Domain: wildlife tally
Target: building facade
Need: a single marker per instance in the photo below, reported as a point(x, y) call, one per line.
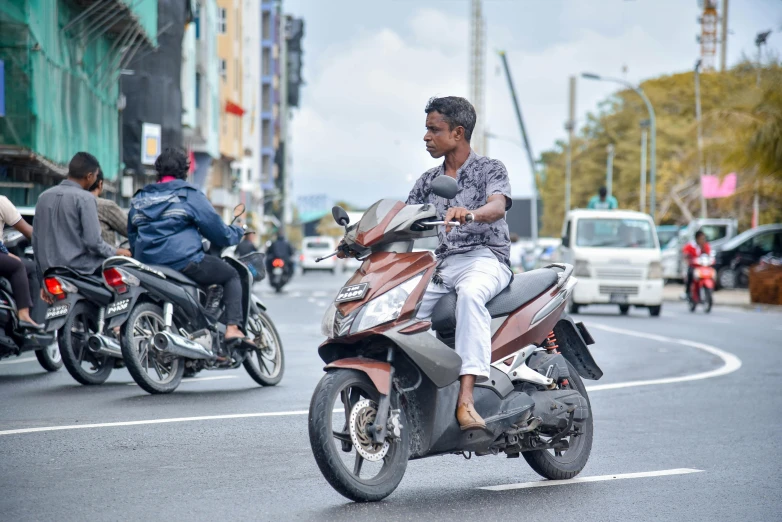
point(251, 189)
point(61, 64)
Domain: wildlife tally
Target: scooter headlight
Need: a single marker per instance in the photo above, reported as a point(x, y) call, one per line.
point(386, 307)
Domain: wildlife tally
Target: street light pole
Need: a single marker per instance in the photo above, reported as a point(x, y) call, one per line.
point(644, 132)
point(609, 170)
point(653, 145)
point(569, 126)
point(700, 134)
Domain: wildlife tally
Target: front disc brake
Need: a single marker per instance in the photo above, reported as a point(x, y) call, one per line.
point(361, 417)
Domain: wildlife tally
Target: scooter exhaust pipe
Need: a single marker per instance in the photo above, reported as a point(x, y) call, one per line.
point(179, 346)
point(104, 345)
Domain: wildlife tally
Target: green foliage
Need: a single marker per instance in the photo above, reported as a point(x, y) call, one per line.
point(742, 129)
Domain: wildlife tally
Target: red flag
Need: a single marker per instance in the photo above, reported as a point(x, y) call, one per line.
point(232, 108)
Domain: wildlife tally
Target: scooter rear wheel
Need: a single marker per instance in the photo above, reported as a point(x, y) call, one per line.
point(49, 357)
point(82, 363)
point(153, 372)
point(341, 407)
point(566, 465)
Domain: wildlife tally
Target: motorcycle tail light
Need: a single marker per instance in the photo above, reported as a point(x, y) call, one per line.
point(278, 263)
point(119, 280)
point(55, 287)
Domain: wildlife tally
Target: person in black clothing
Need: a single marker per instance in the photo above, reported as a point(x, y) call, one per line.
point(279, 249)
point(247, 245)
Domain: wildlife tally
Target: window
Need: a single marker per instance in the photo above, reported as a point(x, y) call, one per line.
point(198, 90)
point(197, 21)
point(614, 233)
point(760, 245)
point(221, 17)
point(714, 232)
point(223, 69)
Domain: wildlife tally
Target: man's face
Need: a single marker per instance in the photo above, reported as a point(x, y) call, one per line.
point(251, 238)
point(701, 240)
point(439, 138)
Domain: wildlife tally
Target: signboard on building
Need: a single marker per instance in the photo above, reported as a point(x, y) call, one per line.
point(151, 141)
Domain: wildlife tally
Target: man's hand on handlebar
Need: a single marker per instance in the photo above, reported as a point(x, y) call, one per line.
point(124, 252)
point(460, 214)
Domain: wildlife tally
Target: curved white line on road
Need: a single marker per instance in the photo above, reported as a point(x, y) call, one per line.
point(731, 363)
point(18, 361)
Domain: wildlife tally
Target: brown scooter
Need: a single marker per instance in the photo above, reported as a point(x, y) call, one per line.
point(390, 389)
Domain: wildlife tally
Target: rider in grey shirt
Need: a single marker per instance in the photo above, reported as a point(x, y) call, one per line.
point(67, 232)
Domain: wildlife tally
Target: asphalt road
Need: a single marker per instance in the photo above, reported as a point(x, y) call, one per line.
point(673, 398)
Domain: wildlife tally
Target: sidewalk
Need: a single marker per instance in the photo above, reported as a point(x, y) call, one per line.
point(738, 297)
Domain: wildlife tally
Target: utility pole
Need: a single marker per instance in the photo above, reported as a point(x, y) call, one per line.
point(528, 148)
point(698, 117)
point(477, 66)
point(610, 170)
point(569, 126)
point(724, 39)
point(644, 131)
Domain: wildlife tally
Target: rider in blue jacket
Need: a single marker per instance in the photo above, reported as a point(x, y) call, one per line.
point(165, 225)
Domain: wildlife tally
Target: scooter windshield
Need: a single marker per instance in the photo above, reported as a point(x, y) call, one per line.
point(375, 214)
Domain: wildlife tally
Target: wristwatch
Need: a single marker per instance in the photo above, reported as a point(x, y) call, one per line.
point(470, 217)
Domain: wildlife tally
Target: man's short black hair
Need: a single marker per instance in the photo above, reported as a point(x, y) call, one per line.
point(603, 192)
point(82, 164)
point(457, 112)
point(699, 233)
point(98, 180)
point(172, 162)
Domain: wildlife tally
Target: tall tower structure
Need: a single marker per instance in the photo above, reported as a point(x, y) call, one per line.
point(477, 66)
point(708, 37)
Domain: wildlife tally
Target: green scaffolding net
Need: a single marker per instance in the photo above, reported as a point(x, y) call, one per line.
point(61, 88)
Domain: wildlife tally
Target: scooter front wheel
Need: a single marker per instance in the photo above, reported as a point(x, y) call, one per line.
point(153, 371)
point(343, 405)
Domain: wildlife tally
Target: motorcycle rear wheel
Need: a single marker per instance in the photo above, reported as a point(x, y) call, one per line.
point(50, 358)
point(84, 366)
point(141, 356)
point(334, 451)
point(567, 465)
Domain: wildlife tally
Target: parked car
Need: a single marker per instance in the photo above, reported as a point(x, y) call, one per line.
point(13, 239)
point(314, 247)
point(665, 233)
point(616, 257)
point(734, 258)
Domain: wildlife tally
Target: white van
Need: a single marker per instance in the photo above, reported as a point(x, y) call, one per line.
point(617, 259)
point(314, 247)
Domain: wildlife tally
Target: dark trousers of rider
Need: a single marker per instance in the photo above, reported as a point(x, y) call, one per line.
point(214, 271)
point(13, 270)
point(688, 288)
point(38, 311)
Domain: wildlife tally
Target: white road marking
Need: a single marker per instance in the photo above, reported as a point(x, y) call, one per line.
point(731, 363)
point(294, 294)
point(597, 478)
point(200, 379)
point(152, 421)
point(19, 361)
point(318, 294)
point(310, 299)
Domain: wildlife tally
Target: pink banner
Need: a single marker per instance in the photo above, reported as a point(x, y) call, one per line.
point(714, 188)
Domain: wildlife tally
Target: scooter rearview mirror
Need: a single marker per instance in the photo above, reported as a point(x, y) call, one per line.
point(445, 187)
point(340, 216)
point(239, 210)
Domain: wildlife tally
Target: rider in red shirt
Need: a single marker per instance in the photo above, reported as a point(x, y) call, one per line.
point(691, 252)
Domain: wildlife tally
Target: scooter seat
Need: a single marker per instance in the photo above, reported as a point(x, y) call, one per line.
point(170, 273)
point(523, 289)
point(5, 284)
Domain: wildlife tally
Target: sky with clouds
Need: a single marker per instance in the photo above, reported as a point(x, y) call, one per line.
point(371, 65)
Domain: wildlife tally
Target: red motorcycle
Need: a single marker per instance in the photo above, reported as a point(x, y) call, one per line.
point(390, 391)
point(702, 283)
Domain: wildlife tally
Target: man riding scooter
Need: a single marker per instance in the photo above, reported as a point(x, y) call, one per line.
point(165, 225)
point(473, 258)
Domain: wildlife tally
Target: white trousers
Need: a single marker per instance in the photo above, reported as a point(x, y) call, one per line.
point(477, 276)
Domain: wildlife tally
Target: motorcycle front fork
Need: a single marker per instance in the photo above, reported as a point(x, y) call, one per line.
point(380, 426)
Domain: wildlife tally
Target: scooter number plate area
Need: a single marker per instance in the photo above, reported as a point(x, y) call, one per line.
point(57, 311)
point(618, 298)
point(117, 307)
point(352, 293)
point(277, 271)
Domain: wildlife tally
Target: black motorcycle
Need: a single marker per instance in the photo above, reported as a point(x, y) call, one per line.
point(171, 325)
point(280, 272)
point(15, 341)
point(89, 350)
